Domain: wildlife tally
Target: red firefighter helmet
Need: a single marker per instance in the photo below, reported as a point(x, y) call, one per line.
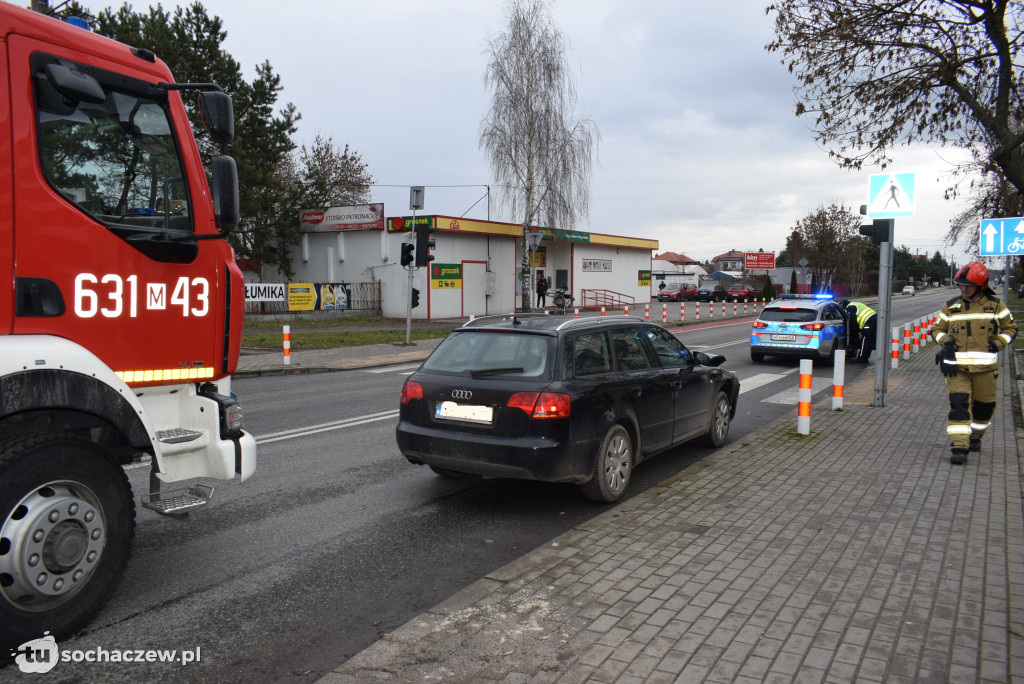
point(973, 273)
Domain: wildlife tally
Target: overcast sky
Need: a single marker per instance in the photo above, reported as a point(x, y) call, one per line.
point(699, 148)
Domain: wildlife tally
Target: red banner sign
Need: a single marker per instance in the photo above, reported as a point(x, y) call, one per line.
point(759, 261)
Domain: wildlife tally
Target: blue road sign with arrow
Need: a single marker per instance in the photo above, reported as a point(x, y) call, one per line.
point(1002, 236)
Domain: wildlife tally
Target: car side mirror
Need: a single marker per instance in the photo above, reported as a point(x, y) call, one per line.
point(709, 359)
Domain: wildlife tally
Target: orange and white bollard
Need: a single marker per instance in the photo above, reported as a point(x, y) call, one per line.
point(682, 312)
point(734, 305)
point(925, 325)
point(647, 312)
point(917, 335)
point(838, 380)
point(745, 306)
point(664, 313)
point(576, 313)
point(627, 310)
point(906, 341)
point(287, 345)
point(895, 348)
point(723, 309)
point(602, 311)
point(711, 309)
point(698, 311)
point(803, 397)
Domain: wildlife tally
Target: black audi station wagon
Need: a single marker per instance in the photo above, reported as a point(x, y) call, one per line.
point(577, 400)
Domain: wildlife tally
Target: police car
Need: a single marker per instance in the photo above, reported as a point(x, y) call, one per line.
point(806, 326)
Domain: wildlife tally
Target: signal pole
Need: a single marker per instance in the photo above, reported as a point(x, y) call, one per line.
point(415, 203)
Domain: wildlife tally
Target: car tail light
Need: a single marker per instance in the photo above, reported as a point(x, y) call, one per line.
point(411, 390)
point(759, 325)
point(541, 404)
point(812, 326)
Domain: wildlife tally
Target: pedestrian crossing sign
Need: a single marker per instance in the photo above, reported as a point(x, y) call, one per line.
point(891, 195)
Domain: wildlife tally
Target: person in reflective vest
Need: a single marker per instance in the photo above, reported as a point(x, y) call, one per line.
point(863, 323)
point(972, 329)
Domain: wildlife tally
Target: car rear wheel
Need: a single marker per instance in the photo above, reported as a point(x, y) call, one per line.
point(613, 467)
point(719, 429)
point(756, 357)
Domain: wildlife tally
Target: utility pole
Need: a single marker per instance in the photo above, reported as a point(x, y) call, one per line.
point(881, 233)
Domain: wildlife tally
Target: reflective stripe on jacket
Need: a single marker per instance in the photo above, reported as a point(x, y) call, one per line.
point(973, 325)
point(864, 312)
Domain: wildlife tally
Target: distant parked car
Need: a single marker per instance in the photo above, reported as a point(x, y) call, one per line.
point(741, 292)
point(672, 292)
point(909, 290)
point(711, 293)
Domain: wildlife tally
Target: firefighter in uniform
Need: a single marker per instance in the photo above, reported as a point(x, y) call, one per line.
point(972, 329)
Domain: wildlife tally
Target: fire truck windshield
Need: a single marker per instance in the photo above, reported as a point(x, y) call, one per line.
point(117, 160)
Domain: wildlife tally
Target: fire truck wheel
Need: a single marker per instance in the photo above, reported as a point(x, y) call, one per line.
point(66, 528)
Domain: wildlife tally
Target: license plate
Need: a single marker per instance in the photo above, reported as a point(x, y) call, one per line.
point(783, 338)
point(468, 413)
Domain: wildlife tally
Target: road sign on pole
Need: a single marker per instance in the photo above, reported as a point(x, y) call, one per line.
point(891, 195)
point(1002, 236)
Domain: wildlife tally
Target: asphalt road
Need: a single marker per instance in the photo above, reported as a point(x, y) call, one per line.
point(337, 539)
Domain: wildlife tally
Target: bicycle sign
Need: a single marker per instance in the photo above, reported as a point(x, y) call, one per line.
point(1002, 236)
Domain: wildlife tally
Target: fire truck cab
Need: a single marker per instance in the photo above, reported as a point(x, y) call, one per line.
point(123, 320)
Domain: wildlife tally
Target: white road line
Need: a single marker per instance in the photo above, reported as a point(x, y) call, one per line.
point(760, 380)
point(790, 396)
point(326, 427)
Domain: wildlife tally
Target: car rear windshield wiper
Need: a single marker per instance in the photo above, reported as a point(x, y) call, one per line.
point(494, 371)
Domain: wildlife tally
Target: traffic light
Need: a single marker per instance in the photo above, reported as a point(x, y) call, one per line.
point(415, 297)
point(879, 231)
point(407, 253)
point(424, 243)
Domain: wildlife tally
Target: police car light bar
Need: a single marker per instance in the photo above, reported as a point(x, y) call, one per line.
point(808, 296)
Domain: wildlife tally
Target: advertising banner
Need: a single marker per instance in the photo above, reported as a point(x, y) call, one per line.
point(334, 219)
point(759, 261)
point(597, 265)
point(301, 297)
point(643, 278)
point(318, 297)
point(264, 292)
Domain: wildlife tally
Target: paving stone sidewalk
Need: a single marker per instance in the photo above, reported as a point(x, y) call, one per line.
point(857, 553)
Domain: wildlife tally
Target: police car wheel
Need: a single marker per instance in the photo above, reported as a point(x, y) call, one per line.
point(756, 357)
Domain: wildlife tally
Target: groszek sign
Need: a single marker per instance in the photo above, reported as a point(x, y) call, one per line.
point(446, 276)
point(759, 261)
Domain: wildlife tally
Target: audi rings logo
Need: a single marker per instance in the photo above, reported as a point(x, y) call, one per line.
point(462, 394)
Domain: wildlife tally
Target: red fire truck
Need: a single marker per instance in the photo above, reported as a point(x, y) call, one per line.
point(123, 323)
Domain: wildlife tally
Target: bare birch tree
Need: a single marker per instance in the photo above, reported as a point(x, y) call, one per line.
point(540, 155)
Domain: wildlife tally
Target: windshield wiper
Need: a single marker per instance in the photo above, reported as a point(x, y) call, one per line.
point(493, 371)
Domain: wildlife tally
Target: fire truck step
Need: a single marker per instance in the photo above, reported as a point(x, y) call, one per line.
point(178, 502)
point(177, 435)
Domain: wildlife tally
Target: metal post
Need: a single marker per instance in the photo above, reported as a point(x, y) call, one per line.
point(884, 311)
point(408, 292)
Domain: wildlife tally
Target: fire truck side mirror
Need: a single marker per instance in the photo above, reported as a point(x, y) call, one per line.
point(74, 84)
point(218, 116)
point(225, 193)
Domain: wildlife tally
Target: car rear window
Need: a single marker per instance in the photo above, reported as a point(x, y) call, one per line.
point(493, 354)
point(788, 314)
